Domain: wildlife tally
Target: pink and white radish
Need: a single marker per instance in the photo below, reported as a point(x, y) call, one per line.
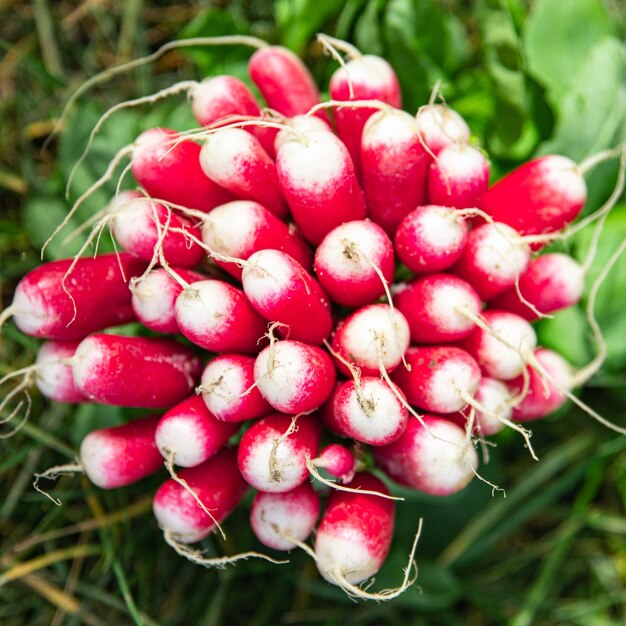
point(354, 261)
point(56, 380)
point(228, 389)
point(303, 124)
point(188, 434)
point(440, 126)
point(338, 461)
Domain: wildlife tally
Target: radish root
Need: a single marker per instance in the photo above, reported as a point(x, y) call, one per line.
point(55, 472)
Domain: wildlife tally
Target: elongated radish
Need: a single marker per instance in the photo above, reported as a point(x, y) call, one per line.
point(238, 229)
point(236, 161)
point(501, 345)
point(431, 239)
point(168, 168)
point(154, 298)
point(273, 452)
point(440, 378)
point(294, 377)
point(371, 338)
point(493, 258)
point(301, 123)
point(440, 126)
point(118, 456)
point(394, 167)
point(317, 178)
point(189, 434)
point(278, 518)
point(219, 486)
point(550, 283)
point(134, 371)
point(281, 290)
point(58, 301)
point(541, 196)
point(56, 381)
point(352, 262)
point(228, 389)
point(434, 457)
point(459, 177)
point(435, 307)
point(218, 317)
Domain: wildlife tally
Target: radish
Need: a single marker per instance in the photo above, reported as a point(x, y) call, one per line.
point(218, 317)
point(119, 456)
point(236, 161)
point(317, 178)
point(278, 518)
point(69, 299)
point(154, 298)
point(435, 307)
point(281, 290)
point(353, 263)
point(374, 337)
point(493, 259)
point(458, 177)
point(541, 196)
point(168, 168)
point(367, 410)
point(134, 371)
point(431, 239)
point(441, 379)
point(274, 451)
point(56, 381)
point(294, 377)
point(440, 126)
point(217, 485)
point(188, 434)
point(301, 123)
point(432, 455)
point(550, 283)
point(501, 344)
point(338, 461)
point(394, 167)
point(228, 389)
point(238, 229)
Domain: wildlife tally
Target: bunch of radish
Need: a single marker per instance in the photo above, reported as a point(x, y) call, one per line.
point(260, 254)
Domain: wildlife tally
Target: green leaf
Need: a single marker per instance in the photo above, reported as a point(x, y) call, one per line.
point(566, 333)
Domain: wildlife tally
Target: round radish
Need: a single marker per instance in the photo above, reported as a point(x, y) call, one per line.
point(439, 126)
point(56, 380)
point(338, 461)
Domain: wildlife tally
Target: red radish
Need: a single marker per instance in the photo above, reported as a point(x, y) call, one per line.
point(431, 239)
point(281, 290)
point(368, 411)
point(439, 126)
point(119, 456)
point(58, 301)
point(353, 260)
point(368, 77)
point(394, 167)
point(301, 124)
point(168, 168)
point(221, 97)
point(218, 485)
point(493, 259)
point(228, 389)
point(459, 177)
point(238, 229)
point(550, 283)
point(317, 178)
point(435, 457)
point(154, 297)
point(373, 337)
point(56, 381)
point(273, 452)
point(284, 81)
point(236, 161)
point(134, 371)
point(545, 394)
point(353, 538)
point(440, 379)
point(541, 196)
point(338, 461)
point(140, 224)
point(189, 434)
point(435, 306)
point(294, 377)
point(501, 349)
point(218, 317)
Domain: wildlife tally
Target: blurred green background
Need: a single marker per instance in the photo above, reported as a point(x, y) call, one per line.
point(531, 78)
